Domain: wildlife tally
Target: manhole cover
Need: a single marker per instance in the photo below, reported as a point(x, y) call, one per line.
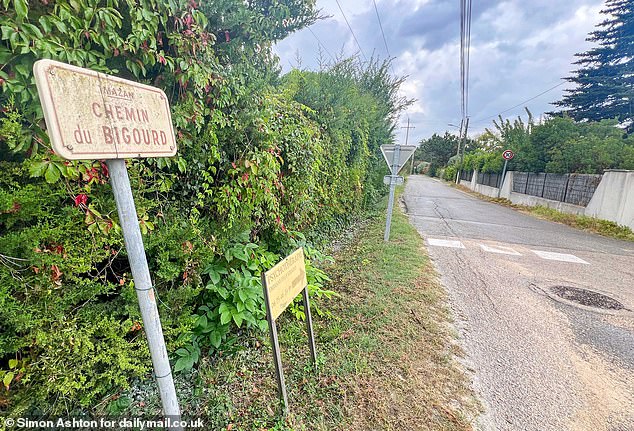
point(587, 297)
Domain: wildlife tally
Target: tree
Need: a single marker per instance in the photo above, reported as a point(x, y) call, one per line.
point(256, 173)
point(588, 148)
point(516, 136)
point(437, 150)
point(551, 134)
point(605, 79)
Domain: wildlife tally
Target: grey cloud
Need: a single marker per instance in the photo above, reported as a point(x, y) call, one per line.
point(519, 49)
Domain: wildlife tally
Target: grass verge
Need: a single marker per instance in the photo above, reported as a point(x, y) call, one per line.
point(589, 224)
point(387, 355)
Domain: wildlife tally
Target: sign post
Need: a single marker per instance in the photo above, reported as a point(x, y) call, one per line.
point(90, 115)
point(281, 284)
point(390, 201)
point(395, 157)
point(507, 155)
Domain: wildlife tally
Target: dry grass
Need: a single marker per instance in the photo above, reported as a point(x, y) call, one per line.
point(413, 380)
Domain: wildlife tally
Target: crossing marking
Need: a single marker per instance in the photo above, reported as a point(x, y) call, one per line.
point(562, 257)
point(500, 250)
point(445, 243)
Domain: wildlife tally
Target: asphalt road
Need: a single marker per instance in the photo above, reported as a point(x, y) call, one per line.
point(538, 361)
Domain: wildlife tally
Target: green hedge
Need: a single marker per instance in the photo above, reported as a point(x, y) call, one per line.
point(262, 164)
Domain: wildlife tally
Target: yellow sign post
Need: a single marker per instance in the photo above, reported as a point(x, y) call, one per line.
point(281, 284)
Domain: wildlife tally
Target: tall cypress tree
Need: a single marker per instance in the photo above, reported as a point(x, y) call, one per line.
point(605, 79)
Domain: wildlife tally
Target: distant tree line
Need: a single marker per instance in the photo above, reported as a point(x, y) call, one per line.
point(557, 145)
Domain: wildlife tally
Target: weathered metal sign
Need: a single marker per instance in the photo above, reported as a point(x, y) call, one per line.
point(90, 115)
point(285, 281)
point(281, 284)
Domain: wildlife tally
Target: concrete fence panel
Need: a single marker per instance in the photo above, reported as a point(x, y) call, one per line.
point(614, 198)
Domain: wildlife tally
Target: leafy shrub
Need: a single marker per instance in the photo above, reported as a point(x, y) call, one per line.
point(450, 172)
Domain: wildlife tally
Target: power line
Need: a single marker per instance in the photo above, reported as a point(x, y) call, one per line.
point(520, 104)
point(468, 57)
point(465, 47)
point(387, 50)
point(332, 57)
point(352, 32)
point(381, 27)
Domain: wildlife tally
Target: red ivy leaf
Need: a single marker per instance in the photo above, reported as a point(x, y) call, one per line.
point(81, 199)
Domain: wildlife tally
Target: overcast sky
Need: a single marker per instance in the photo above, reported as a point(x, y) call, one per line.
point(519, 49)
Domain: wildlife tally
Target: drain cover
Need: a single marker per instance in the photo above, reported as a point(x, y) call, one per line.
point(587, 297)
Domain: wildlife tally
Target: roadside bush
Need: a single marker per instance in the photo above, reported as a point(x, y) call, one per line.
point(449, 173)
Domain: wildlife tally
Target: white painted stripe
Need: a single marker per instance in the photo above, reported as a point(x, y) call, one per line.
point(563, 257)
point(500, 250)
point(444, 243)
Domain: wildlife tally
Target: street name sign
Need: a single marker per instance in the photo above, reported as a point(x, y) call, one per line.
point(405, 152)
point(281, 284)
point(90, 115)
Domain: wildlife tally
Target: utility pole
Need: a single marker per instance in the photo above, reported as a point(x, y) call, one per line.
point(459, 143)
point(406, 140)
point(463, 144)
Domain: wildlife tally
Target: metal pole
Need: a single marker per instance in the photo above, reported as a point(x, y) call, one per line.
point(566, 187)
point(143, 286)
point(309, 326)
point(275, 345)
point(463, 144)
point(407, 132)
point(506, 162)
point(458, 152)
point(406, 141)
point(390, 202)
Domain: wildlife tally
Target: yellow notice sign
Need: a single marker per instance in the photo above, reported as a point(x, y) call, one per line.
point(285, 281)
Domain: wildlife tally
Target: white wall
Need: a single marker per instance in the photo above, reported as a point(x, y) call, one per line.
point(489, 191)
point(533, 201)
point(614, 198)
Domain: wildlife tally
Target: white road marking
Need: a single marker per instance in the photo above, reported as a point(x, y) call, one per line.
point(500, 250)
point(563, 257)
point(444, 243)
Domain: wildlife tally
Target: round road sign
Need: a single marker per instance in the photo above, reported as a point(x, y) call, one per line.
point(508, 154)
